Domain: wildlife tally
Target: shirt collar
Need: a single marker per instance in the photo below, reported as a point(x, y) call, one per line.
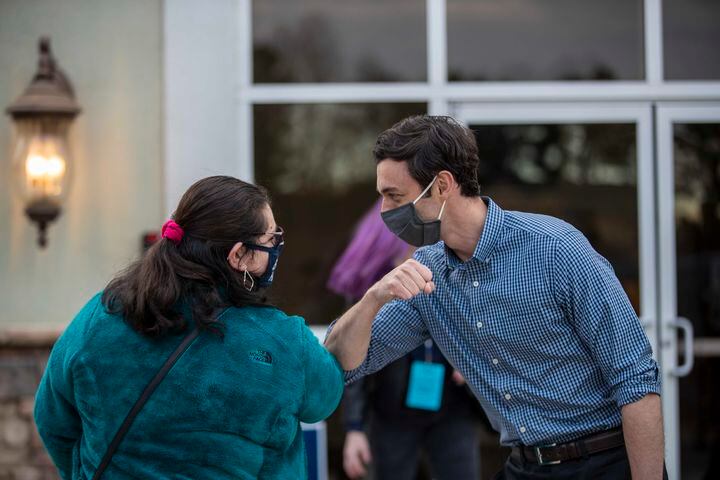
point(488, 238)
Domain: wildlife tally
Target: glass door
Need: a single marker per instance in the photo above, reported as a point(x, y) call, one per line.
point(688, 139)
point(589, 164)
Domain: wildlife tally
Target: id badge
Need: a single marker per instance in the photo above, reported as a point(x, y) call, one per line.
point(425, 387)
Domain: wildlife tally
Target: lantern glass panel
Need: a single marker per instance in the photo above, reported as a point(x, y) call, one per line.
point(41, 159)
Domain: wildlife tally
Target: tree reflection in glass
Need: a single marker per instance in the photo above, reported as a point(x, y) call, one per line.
point(317, 162)
point(339, 41)
point(582, 173)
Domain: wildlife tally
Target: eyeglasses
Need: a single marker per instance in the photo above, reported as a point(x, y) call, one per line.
point(278, 236)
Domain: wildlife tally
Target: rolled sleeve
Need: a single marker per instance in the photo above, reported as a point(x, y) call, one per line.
point(633, 390)
point(591, 296)
point(397, 329)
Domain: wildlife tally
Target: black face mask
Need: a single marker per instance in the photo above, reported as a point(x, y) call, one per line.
point(266, 279)
point(405, 223)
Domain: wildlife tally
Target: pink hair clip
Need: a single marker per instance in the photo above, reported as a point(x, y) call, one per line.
point(172, 231)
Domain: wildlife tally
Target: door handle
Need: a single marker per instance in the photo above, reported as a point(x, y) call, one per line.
point(684, 324)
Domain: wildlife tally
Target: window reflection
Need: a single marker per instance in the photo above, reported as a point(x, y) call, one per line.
point(339, 41)
point(697, 216)
point(584, 174)
point(317, 162)
point(691, 35)
point(559, 40)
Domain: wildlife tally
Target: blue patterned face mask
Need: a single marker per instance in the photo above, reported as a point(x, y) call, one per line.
point(405, 223)
point(266, 279)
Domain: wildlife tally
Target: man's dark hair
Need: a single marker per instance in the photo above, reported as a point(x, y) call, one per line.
point(430, 144)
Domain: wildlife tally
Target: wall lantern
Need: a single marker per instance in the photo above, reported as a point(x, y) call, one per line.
point(42, 164)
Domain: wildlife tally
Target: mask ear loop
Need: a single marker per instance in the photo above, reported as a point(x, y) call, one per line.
point(442, 209)
point(246, 275)
point(425, 191)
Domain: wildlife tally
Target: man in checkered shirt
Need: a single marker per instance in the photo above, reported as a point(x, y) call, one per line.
point(521, 304)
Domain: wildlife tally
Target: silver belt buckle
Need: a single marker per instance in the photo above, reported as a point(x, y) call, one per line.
point(539, 456)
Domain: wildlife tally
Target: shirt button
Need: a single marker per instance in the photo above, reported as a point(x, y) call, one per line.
point(508, 396)
point(476, 283)
point(479, 324)
point(522, 429)
point(495, 361)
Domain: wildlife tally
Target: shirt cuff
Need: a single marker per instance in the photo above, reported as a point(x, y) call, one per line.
point(354, 375)
point(354, 427)
point(635, 389)
point(330, 329)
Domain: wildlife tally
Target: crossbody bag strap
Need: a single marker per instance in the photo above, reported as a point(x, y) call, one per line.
point(140, 403)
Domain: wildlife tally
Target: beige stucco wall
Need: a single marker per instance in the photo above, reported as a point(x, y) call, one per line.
point(112, 52)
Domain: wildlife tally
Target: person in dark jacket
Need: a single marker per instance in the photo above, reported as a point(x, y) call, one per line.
point(389, 423)
point(376, 413)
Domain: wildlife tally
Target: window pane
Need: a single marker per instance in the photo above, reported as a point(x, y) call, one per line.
point(691, 35)
point(697, 221)
point(559, 40)
point(584, 174)
point(339, 41)
point(317, 162)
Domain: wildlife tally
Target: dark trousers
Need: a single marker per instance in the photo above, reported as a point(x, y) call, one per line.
point(609, 465)
point(452, 446)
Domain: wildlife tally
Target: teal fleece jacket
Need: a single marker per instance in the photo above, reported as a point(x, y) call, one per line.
point(229, 408)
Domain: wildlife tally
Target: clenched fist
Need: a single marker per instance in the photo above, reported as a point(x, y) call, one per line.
point(409, 279)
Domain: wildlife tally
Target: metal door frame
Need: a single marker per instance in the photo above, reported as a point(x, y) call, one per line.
point(669, 113)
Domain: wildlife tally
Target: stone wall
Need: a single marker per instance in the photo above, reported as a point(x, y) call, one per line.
point(23, 356)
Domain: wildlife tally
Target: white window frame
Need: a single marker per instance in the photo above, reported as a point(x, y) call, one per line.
point(439, 94)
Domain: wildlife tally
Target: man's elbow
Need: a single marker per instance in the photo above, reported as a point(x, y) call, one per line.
point(348, 363)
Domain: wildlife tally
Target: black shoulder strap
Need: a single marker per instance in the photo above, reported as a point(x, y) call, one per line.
point(159, 376)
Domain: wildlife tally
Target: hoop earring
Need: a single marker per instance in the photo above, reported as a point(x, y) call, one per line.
point(247, 276)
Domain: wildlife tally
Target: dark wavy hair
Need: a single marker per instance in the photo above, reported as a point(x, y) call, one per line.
point(193, 276)
point(431, 144)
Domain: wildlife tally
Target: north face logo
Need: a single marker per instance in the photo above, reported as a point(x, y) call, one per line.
point(261, 356)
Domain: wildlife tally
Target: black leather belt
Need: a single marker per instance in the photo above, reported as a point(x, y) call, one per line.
point(554, 454)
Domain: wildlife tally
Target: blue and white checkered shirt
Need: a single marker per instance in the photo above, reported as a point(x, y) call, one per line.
point(536, 322)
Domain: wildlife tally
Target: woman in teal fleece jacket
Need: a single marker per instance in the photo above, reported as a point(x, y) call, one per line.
point(231, 406)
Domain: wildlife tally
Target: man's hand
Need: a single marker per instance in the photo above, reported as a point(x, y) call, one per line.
point(356, 454)
point(350, 337)
point(406, 281)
